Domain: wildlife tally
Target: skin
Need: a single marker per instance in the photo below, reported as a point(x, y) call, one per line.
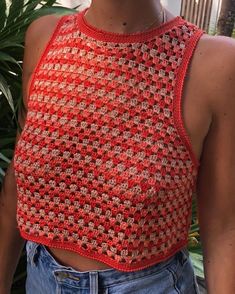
point(208, 113)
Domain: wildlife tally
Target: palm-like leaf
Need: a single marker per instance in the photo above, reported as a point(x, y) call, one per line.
point(5, 89)
point(3, 15)
point(197, 264)
point(13, 23)
point(15, 10)
point(14, 20)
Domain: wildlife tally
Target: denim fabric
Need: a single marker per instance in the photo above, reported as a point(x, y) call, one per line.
point(46, 276)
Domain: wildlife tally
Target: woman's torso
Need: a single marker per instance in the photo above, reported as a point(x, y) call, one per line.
point(194, 103)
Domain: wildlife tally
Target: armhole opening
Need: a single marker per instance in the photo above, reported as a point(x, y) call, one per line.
point(179, 87)
point(43, 55)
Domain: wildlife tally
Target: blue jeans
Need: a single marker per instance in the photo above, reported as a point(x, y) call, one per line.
point(46, 276)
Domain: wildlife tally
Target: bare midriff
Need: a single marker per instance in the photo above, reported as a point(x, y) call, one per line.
point(76, 261)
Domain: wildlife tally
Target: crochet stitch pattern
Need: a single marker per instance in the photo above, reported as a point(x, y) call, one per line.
point(104, 166)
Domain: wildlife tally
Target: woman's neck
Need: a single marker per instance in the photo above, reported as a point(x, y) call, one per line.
point(125, 16)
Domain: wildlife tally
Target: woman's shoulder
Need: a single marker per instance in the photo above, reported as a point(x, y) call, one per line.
point(41, 29)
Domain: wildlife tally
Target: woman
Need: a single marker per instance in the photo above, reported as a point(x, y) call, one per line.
point(109, 155)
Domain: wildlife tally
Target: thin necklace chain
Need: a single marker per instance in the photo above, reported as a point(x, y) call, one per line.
point(148, 27)
point(163, 20)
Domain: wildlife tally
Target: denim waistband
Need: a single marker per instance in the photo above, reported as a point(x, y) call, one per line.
point(38, 253)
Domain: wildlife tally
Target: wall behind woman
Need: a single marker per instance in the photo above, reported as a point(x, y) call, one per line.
point(174, 6)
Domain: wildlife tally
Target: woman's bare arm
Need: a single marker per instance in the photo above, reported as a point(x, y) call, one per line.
point(11, 245)
point(216, 182)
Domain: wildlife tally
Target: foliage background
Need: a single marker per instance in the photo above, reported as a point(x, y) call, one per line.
point(15, 17)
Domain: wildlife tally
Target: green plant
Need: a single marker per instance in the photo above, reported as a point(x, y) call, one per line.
point(194, 243)
point(15, 17)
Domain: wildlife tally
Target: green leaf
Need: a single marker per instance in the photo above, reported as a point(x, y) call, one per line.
point(7, 153)
point(194, 228)
point(3, 15)
point(50, 3)
point(4, 158)
point(19, 27)
point(16, 9)
point(5, 67)
point(4, 164)
point(6, 57)
point(31, 5)
point(7, 44)
point(55, 10)
point(6, 140)
point(2, 174)
point(197, 261)
point(6, 91)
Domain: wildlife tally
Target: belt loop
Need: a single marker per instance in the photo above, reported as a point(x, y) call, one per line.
point(32, 252)
point(184, 256)
point(185, 251)
point(94, 287)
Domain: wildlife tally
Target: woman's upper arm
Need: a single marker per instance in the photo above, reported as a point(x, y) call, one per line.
point(216, 182)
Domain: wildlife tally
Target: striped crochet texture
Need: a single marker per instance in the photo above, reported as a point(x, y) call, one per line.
point(104, 166)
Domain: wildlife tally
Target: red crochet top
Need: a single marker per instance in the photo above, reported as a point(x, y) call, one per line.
point(104, 166)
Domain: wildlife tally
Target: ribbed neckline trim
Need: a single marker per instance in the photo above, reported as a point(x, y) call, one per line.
point(106, 36)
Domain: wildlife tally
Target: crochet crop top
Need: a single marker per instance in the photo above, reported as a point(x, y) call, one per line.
point(104, 166)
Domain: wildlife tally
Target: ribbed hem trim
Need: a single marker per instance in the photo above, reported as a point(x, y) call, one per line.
point(101, 257)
